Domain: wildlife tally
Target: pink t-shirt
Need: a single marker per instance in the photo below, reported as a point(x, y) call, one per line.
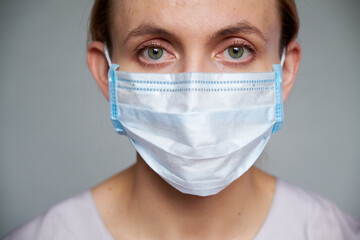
point(294, 214)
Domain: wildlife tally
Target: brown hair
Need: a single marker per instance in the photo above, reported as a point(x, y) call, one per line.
point(290, 23)
point(100, 22)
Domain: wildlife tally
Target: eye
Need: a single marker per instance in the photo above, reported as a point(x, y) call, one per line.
point(236, 53)
point(155, 53)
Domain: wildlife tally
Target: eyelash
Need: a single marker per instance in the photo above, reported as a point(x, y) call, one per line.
point(142, 48)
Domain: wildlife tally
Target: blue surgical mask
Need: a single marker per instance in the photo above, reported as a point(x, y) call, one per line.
point(198, 131)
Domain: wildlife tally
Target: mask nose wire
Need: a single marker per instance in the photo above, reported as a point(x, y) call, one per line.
point(107, 55)
point(283, 55)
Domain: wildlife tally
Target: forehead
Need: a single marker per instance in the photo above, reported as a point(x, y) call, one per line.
point(199, 17)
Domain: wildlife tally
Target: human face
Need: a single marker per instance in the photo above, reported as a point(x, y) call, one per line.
point(195, 35)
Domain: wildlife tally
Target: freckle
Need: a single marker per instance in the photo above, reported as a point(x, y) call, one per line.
point(109, 188)
point(234, 9)
point(239, 214)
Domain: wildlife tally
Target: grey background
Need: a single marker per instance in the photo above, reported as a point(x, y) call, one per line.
point(56, 138)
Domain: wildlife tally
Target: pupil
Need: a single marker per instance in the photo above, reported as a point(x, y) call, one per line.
point(236, 50)
point(155, 51)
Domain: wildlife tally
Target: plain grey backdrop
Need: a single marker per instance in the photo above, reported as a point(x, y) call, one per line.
point(56, 138)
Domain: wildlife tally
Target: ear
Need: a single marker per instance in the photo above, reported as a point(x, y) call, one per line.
point(98, 66)
point(290, 68)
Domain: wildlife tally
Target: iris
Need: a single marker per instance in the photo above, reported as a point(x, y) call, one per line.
point(236, 52)
point(155, 53)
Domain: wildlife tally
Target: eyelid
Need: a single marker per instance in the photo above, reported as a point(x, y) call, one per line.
point(232, 42)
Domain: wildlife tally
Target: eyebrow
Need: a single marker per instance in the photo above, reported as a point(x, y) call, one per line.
point(240, 27)
point(148, 29)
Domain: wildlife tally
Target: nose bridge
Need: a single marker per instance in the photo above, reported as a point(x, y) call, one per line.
point(195, 58)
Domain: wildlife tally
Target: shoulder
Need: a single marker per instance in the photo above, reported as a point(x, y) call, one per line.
point(327, 219)
point(307, 215)
point(73, 218)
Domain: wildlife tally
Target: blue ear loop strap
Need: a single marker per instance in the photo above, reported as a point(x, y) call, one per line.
point(279, 109)
point(114, 114)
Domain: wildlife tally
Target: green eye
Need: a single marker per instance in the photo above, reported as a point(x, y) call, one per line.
point(236, 52)
point(155, 53)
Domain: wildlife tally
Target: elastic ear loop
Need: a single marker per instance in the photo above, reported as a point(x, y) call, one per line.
point(107, 55)
point(283, 55)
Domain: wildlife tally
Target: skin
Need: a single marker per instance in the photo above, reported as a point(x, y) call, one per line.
point(137, 203)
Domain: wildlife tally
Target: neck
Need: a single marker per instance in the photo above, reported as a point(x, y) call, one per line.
point(163, 212)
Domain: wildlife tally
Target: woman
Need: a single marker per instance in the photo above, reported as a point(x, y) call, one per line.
point(208, 196)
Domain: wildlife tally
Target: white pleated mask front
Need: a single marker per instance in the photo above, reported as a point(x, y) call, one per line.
point(198, 131)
